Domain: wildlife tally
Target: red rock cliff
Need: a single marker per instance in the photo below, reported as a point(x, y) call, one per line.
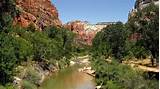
point(78, 28)
point(85, 31)
point(39, 12)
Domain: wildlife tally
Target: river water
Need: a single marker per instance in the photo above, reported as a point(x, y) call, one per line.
point(69, 78)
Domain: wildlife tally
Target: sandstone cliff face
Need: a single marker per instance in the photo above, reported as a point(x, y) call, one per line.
point(39, 12)
point(85, 31)
point(75, 26)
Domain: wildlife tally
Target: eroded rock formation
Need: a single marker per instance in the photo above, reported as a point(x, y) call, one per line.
point(85, 31)
point(41, 13)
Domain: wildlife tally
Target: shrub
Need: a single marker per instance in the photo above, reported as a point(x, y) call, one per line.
point(33, 76)
point(28, 85)
point(118, 76)
point(8, 86)
point(44, 48)
point(135, 49)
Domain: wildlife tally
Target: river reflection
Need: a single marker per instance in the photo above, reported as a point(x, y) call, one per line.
point(69, 78)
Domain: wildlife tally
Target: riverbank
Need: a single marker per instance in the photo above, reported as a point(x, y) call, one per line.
point(33, 74)
point(78, 66)
point(36, 74)
point(69, 78)
point(85, 62)
point(77, 75)
point(115, 75)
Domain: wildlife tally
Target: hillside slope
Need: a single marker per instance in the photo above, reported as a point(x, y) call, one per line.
point(41, 13)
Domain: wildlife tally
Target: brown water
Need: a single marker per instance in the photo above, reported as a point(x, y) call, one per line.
point(69, 78)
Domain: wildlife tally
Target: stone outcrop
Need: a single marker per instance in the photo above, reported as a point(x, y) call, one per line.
point(41, 13)
point(85, 31)
point(143, 3)
point(78, 28)
point(140, 4)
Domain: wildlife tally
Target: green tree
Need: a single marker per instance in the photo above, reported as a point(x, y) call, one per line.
point(113, 75)
point(7, 12)
point(7, 58)
point(43, 47)
point(64, 39)
point(13, 50)
point(146, 22)
point(111, 41)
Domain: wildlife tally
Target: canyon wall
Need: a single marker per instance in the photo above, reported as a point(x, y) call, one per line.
point(40, 13)
point(85, 31)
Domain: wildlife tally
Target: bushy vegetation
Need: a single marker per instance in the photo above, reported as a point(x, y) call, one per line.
point(8, 11)
point(116, 41)
point(28, 85)
point(32, 76)
point(56, 45)
point(7, 86)
point(138, 38)
point(13, 51)
point(146, 23)
point(64, 40)
point(20, 45)
point(111, 41)
point(118, 76)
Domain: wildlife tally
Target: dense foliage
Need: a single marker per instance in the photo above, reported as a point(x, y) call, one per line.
point(111, 41)
point(146, 23)
point(138, 38)
point(112, 75)
point(56, 45)
point(8, 11)
point(20, 45)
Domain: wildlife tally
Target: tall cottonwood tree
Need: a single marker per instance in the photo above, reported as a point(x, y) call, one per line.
point(146, 22)
point(111, 41)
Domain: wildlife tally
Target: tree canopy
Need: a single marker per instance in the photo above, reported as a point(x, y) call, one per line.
point(111, 41)
point(146, 22)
